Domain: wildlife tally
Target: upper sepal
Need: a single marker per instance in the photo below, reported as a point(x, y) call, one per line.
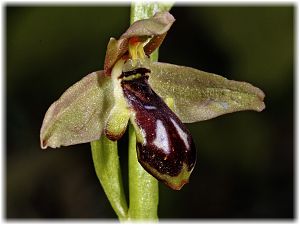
point(79, 115)
point(199, 95)
point(159, 24)
point(155, 27)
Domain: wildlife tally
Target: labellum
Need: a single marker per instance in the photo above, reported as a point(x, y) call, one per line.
point(164, 146)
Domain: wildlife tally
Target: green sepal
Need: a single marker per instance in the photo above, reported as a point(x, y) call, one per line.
point(200, 95)
point(79, 115)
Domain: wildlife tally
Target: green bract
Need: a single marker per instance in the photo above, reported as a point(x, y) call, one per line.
point(132, 87)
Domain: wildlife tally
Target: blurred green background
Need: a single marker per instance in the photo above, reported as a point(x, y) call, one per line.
point(245, 166)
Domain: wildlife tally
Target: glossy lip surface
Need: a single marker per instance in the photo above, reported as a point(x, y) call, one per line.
point(167, 144)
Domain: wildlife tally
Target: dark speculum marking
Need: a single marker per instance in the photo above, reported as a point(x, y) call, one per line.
point(168, 144)
point(141, 71)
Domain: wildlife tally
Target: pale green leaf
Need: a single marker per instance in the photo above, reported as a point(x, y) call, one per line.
point(199, 95)
point(108, 170)
point(79, 115)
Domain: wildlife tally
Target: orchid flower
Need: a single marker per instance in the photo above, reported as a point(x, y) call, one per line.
point(157, 98)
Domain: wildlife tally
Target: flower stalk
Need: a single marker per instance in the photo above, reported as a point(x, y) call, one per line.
point(143, 187)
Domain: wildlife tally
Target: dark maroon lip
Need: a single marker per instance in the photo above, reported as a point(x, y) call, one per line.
point(168, 144)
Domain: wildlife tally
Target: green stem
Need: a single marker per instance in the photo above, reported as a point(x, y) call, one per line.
point(143, 187)
point(107, 166)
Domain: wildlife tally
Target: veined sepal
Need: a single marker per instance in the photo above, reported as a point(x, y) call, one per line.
point(80, 114)
point(199, 95)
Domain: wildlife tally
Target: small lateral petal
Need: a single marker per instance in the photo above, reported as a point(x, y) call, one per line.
point(154, 43)
point(199, 95)
point(115, 50)
point(79, 115)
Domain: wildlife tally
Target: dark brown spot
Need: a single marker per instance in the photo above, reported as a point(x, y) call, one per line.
point(142, 71)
